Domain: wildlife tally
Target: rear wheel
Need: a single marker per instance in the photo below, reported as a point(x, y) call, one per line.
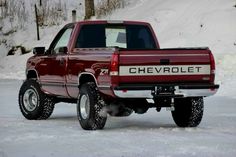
point(188, 111)
point(34, 104)
point(90, 108)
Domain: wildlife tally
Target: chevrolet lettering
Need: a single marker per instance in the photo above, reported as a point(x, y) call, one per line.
point(165, 70)
point(116, 68)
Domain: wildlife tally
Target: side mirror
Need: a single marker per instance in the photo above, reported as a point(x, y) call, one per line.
point(39, 50)
point(62, 50)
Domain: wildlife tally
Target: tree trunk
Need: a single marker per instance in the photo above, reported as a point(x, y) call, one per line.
point(89, 9)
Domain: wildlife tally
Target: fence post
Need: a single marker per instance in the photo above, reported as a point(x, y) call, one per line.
point(37, 24)
point(73, 15)
point(122, 3)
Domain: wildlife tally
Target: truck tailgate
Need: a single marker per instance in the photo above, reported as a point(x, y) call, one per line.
point(165, 66)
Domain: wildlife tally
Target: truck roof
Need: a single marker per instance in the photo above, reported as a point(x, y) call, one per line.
point(110, 22)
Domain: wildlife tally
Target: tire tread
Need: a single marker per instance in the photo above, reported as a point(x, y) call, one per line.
point(46, 103)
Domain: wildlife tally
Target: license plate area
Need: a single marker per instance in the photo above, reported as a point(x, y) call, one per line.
point(163, 91)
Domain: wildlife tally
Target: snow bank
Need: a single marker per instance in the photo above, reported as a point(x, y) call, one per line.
point(187, 23)
point(13, 67)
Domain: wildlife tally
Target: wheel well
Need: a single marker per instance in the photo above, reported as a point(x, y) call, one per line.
point(86, 78)
point(31, 74)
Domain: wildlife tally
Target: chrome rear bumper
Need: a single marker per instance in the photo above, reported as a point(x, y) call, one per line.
point(178, 91)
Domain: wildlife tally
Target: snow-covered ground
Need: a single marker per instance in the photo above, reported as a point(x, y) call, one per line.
point(185, 23)
point(152, 134)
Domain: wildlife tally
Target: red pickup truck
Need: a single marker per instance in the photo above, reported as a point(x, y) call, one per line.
point(116, 68)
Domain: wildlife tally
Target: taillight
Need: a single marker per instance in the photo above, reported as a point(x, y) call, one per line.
point(212, 61)
point(114, 69)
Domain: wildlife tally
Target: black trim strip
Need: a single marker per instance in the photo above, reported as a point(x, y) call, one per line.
point(199, 87)
point(72, 85)
point(53, 84)
point(59, 84)
point(104, 88)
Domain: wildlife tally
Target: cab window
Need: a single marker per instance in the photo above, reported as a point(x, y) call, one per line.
point(63, 40)
point(122, 36)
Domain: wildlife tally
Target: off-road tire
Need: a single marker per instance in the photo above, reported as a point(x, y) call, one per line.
point(188, 111)
point(44, 104)
point(95, 117)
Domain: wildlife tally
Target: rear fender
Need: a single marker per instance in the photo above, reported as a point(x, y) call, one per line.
point(86, 77)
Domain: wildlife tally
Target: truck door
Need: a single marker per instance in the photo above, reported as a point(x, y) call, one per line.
point(56, 60)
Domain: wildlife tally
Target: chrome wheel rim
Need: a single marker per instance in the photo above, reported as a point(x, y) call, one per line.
point(30, 100)
point(84, 106)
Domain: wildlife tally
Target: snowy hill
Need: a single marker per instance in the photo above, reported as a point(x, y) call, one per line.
point(186, 23)
point(191, 23)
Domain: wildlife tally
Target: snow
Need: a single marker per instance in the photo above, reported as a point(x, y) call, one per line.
point(152, 134)
point(185, 23)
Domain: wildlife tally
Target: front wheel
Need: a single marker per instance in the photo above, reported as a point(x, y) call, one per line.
point(34, 104)
point(188, 111)
point(90, 108)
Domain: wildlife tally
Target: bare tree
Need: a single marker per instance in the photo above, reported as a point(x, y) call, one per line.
point(89, 9)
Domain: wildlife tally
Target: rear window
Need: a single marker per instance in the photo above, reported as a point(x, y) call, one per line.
point(128, 36)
